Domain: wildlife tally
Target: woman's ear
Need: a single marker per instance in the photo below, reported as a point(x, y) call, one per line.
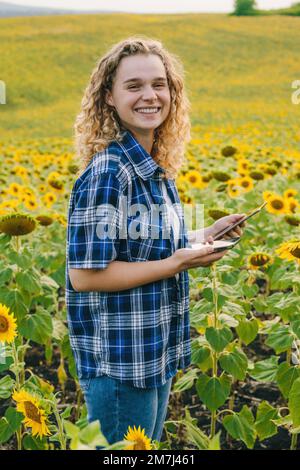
point(109, 99)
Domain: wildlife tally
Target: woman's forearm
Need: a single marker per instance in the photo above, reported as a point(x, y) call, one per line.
point(122, 275)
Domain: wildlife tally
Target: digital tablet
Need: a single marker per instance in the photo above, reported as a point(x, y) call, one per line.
point(218, 245)
point(230, 227)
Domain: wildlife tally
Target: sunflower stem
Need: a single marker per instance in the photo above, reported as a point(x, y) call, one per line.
point(215, 357)
point(16, 363)
point(78, 401)
point(294, 442)
point(60, 427)
point(18, 387)
point(288, 356)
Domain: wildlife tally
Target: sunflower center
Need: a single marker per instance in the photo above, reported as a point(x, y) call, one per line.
point(193, 179)
point(277, 204)
point(245, 184)
point(3, 324)
point(296, 252)
point(32, 412)
point(139, 445)
point(259, 260)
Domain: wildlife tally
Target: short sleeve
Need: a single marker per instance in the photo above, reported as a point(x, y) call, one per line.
point(94, 222)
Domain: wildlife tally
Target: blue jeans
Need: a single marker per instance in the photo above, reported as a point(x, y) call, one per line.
point(118, 405)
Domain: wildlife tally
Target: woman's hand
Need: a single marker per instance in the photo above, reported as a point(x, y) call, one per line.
point(186, 258)
point(225, 222)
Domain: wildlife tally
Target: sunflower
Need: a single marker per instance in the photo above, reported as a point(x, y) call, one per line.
point(292, 204)
point(290, 250)
point(10, 204)
point(30, 203)
point(20, 171)
point(259, 259)
point(186, 199)
point(228, 151)
point(61, 219)
point(195, 179)
point(290, 192)
point(15, 189)
point(182, 183)
point(45, 219)
point(49, 199)
point(292, 220)
point(233, 189)
point(267, 195)
point(276, 205)
point(8, 326)
point(256, 175)
point(141, 441)
point(17, 224)
point(243, 166)
point(245, 183)
point(35, 416)
point(73, 168)
point(42, 188)
point(216, 213)
point(222, 176)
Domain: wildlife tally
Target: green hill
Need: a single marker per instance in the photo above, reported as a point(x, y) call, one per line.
point(238, 70)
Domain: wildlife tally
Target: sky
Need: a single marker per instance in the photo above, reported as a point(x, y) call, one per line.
point(150, 6)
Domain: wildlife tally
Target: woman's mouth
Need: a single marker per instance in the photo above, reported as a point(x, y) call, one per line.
point(147, 111)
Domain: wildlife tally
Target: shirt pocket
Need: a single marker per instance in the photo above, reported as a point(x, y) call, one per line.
point(144, 238)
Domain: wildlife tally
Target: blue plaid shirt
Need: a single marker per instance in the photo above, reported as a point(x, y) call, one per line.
point(141, 335)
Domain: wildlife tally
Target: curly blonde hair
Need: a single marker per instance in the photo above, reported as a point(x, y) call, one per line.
point(98, 123)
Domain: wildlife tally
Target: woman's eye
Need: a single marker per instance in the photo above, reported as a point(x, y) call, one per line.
point(136, 86)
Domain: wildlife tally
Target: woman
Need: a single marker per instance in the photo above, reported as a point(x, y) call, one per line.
point(127, 291)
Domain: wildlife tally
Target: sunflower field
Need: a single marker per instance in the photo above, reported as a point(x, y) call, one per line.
point(242, 390)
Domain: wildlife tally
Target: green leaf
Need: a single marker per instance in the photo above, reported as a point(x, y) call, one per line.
point(241, 426)
point(250, 291)
point(280, 338)
point(49, 282)
point(5, 276)
point(200, 354)
point(6, 386)
point(37, 327)
point(294, 400)
point(29, 282)
point(235, 363)
point(218, 338)
point(5, 362)
point(34, 443)
point(197, 437)
point(266, 370)
point(186, 381)
point(9, 424)
point(232, 309)
point(23, 260)
point(247, 330)
point(295, 324)
point(286, 376)
point(263, 424)
point(92, 435)
point(15, 301)
point(213, 391)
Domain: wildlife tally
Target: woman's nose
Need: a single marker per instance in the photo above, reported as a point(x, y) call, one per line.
point(149, 93)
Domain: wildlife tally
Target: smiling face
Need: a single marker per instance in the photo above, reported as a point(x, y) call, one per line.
point(141, 83)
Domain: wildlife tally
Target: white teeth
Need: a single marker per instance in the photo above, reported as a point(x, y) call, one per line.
point(148, 110)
